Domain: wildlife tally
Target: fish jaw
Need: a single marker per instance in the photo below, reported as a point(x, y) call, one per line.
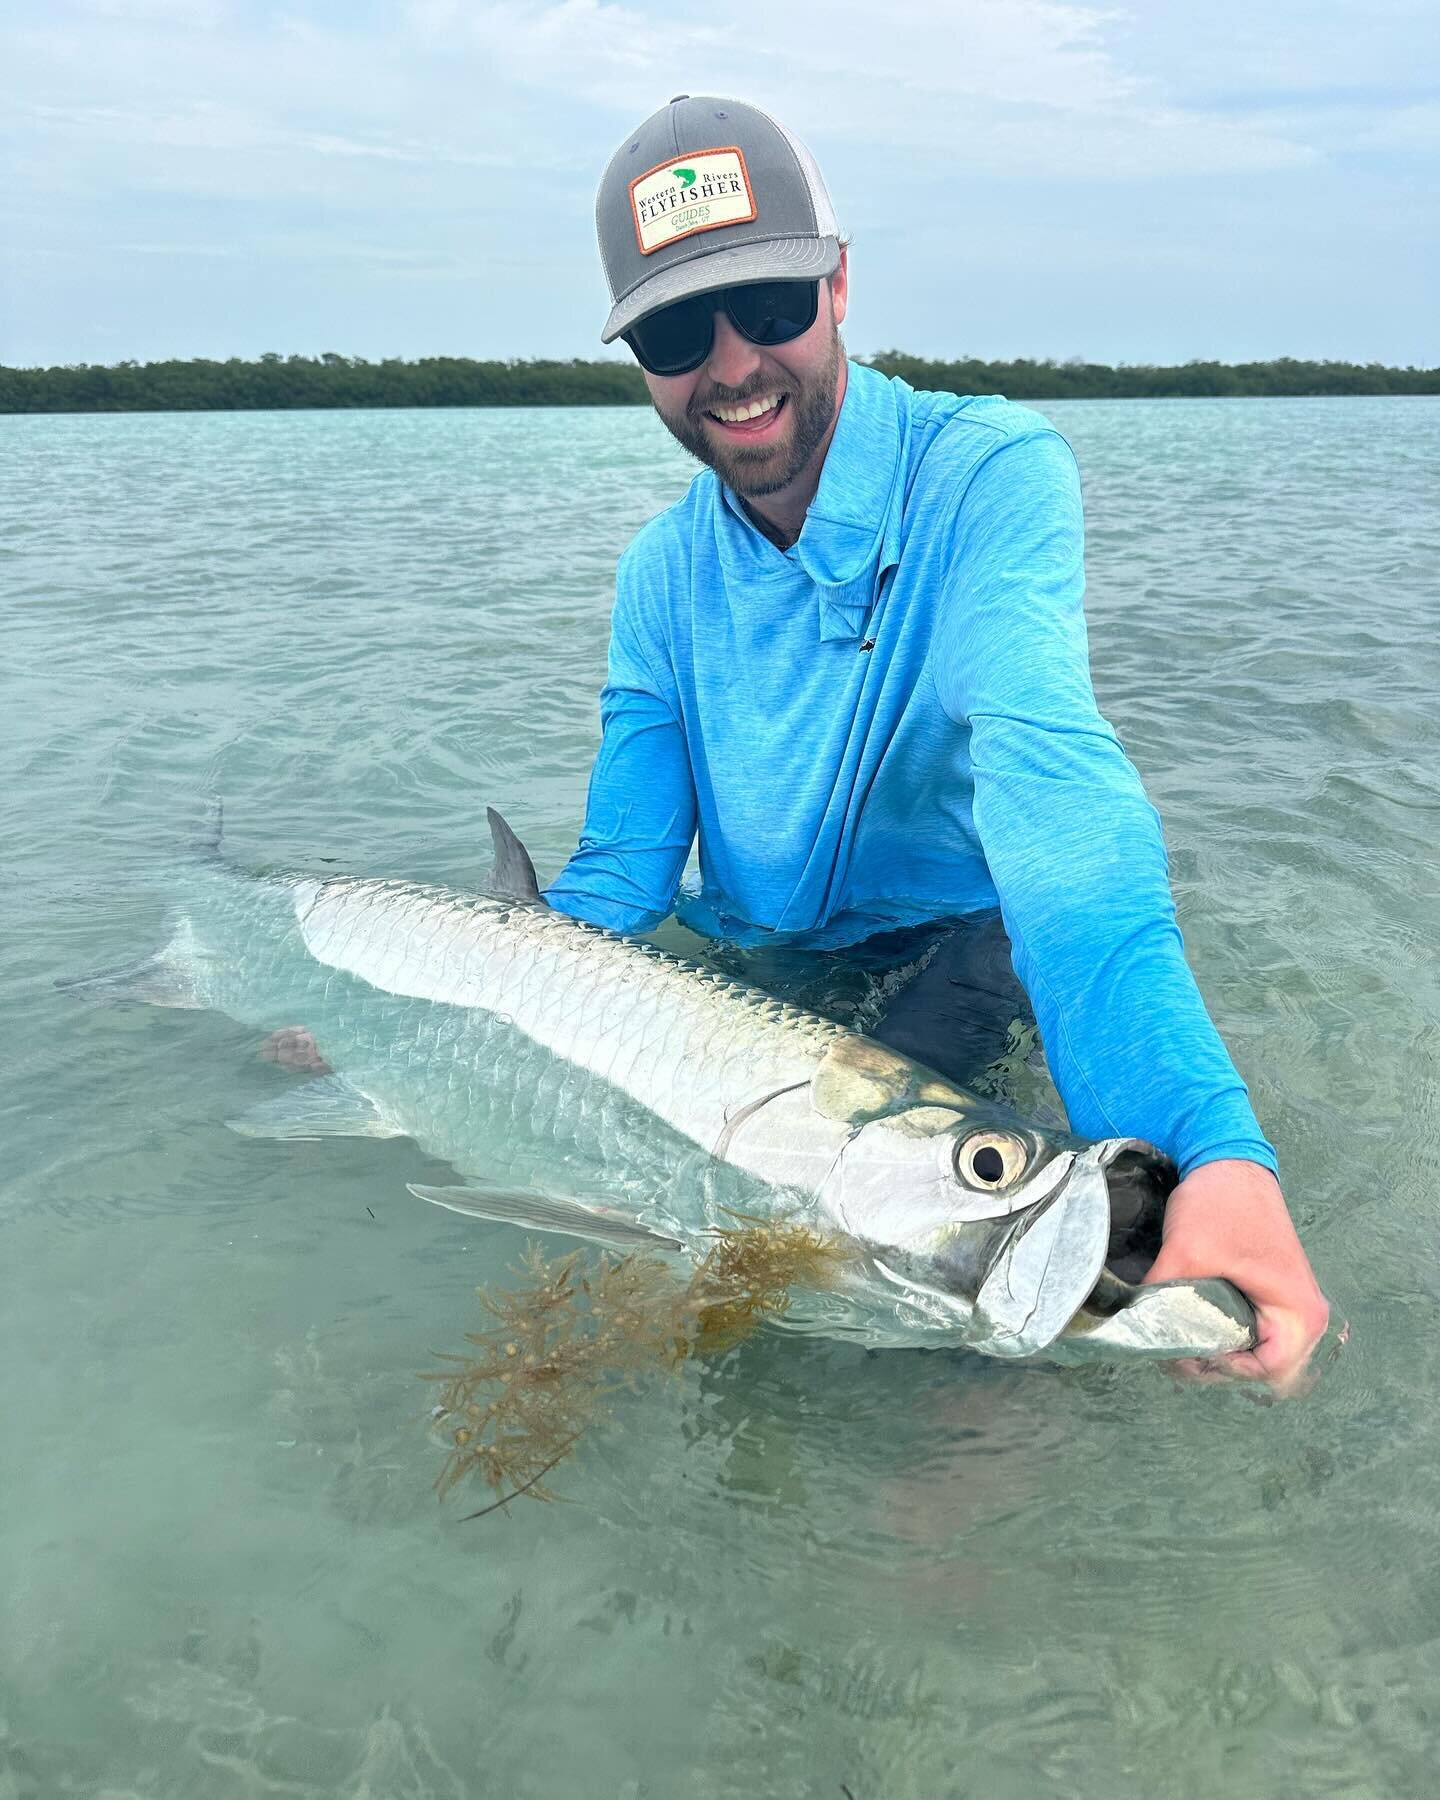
point(1105, 1215)
point(1051, 1279)
point(1166, 1321)
point(1008, 1285)
point(1011, 1273)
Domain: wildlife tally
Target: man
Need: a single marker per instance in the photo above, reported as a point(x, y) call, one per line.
point(853, 659)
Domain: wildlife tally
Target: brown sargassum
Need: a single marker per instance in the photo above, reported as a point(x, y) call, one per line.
point(517, 1402)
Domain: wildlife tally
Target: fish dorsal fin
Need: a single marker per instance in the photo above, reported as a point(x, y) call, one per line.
point(513, 877)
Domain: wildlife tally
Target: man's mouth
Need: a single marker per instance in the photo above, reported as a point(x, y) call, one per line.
point(752, 420)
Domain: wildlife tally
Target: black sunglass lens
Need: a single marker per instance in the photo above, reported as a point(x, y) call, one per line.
point(675, 339)
point(774, 312)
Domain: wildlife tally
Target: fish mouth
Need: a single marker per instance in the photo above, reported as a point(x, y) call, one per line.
point(1015, 1282)
point(1076, 1290)
point(1055, 1259)
point(1122, 1317)
point(1140, 1180)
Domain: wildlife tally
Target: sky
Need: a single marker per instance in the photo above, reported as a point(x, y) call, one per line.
point(1156, 182)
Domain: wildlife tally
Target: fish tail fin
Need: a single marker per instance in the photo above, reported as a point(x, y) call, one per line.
point(172, 976)
point(157, 981)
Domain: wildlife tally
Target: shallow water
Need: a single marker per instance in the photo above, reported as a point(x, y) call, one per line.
point(804, 1570)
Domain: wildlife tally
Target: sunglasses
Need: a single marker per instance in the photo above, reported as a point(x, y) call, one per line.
point(678, 338)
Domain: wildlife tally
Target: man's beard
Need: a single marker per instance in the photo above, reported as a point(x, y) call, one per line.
point(755, 472)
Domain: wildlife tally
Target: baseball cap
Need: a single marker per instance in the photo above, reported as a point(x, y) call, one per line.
point(708, 193)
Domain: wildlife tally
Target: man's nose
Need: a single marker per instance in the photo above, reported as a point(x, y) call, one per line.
point(733, 359)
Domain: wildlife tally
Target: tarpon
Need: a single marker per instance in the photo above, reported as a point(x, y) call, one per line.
point(595, 1085)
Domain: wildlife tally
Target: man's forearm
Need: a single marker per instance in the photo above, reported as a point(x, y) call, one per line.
point(1080, 868)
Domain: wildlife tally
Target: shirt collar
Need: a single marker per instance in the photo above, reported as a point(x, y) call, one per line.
point(852, 529)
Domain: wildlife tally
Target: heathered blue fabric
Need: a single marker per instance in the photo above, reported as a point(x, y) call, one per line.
point(840, 790)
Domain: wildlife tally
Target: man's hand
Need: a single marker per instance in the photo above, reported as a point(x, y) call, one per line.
point(294, 1048)
point(1230, 1219)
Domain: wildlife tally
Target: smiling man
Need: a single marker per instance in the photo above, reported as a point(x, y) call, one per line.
point(853, 660)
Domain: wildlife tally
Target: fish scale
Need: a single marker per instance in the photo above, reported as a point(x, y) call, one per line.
point(530, 1105)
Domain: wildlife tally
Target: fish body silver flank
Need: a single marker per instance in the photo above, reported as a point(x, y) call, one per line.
point(596, 1085)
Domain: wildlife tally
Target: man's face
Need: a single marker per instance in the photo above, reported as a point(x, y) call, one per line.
point(761, 455)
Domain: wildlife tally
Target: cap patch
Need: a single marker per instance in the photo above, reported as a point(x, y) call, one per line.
point(696, 192)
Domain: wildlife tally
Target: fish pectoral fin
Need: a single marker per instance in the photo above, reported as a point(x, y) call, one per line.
point(547, 1212)
point(328, 1107)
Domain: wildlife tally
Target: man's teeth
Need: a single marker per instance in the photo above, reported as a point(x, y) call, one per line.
point(737, 415)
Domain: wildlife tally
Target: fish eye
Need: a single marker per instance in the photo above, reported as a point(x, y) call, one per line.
point(990, 1159)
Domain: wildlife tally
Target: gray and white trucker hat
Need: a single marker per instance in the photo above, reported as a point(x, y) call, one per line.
point(705, 194)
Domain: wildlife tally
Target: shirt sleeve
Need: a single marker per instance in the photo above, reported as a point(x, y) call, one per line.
point(1073, 845)
point(640, 813)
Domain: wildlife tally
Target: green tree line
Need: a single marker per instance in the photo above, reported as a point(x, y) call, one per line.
point(1076, 380)
point(287, 383)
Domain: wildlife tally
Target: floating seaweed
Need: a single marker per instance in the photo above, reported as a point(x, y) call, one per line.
point(517, 1403)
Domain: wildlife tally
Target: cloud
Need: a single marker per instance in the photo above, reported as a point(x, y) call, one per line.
point(1032, 51)
point(1014, 88)
point(206, 127)
point(1024, 86)
point(195, 15)
point(452, 146)
point(1407, 129)
point(1236, 54)
point(575, 46)
point(188, 249)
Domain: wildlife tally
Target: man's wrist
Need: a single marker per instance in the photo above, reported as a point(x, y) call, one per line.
point(1247, 1150)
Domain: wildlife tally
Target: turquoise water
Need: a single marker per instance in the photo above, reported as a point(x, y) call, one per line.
point(803, 1570)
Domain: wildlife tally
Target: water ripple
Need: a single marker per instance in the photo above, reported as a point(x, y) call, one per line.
point(804, 1569)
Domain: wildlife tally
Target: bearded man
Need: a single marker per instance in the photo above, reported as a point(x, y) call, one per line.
point(853, 660)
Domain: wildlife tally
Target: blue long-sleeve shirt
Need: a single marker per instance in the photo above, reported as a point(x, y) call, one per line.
point(892, 721)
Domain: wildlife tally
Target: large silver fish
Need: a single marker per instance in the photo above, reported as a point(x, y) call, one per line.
point(594, 1085)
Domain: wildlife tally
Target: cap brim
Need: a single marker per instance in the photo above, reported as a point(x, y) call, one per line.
point(782, 259)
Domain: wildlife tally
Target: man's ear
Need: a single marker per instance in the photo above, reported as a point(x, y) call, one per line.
point(840, 287)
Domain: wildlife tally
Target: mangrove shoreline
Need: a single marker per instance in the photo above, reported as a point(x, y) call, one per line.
point(292, 383)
